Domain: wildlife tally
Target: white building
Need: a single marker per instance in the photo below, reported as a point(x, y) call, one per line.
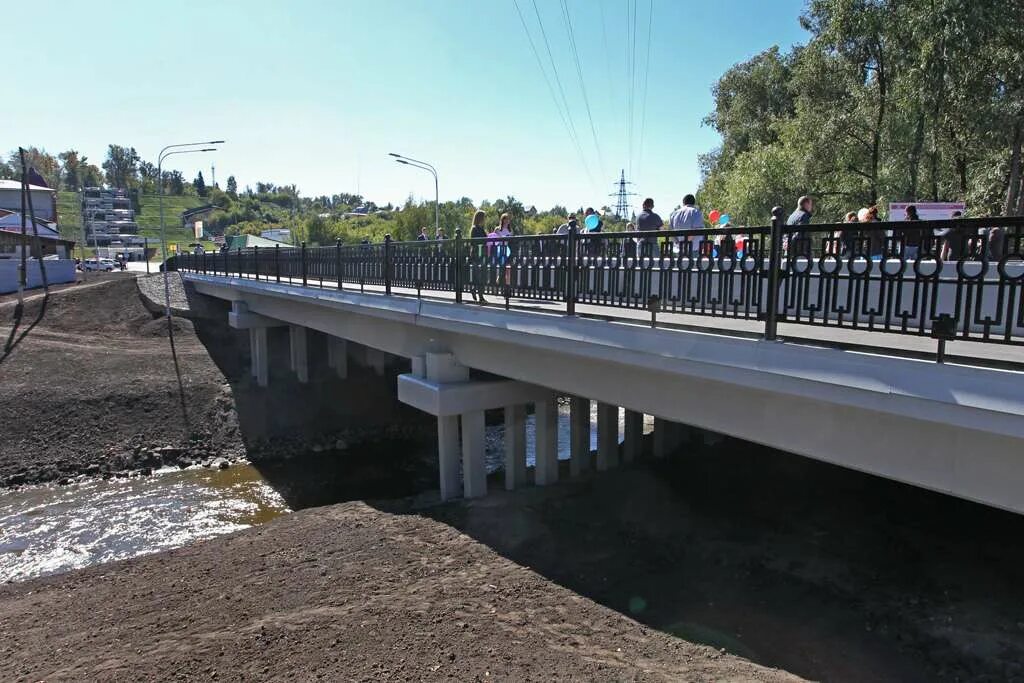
point(44, 199)
point(278, 235)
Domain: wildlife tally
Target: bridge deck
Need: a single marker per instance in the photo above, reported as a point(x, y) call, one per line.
point(883, 343)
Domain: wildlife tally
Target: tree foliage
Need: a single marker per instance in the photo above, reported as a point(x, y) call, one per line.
point(889, 100)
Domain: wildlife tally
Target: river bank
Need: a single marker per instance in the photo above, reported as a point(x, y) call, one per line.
point(90, 387)
point(346, 591)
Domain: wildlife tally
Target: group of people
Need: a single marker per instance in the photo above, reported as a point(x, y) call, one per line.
point(949, 242)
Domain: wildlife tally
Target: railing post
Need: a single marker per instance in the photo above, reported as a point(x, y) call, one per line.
point(570, 271)
point(387, 264)
point(256, 261)
point(303, 259)
point(238, 260)
point(774, 265)
point(337, 262)
point(277, 261)
point(458, 265)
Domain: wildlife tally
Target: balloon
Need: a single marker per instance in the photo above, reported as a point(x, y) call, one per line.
point(592, 221)
point(723, 219)
point(714, 216)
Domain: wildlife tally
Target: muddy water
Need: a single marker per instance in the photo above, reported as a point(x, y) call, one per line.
point(50, 529)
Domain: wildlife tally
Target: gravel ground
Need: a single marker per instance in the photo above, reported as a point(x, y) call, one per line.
point(89, 386)
point(346, 592)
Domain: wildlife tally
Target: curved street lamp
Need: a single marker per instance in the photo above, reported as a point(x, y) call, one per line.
point(422, 165)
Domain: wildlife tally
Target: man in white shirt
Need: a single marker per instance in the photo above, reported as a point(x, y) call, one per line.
point(688, 217)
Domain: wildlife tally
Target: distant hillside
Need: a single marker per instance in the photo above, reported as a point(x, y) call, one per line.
point(70, 216)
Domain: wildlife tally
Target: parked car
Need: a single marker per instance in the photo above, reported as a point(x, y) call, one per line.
point(104, 264)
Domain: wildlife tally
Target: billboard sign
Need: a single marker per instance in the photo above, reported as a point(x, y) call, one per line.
point(926, 211)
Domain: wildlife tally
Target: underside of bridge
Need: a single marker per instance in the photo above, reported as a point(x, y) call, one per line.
point(953, 429)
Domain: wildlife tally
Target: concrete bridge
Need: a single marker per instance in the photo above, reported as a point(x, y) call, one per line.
point(873, 405)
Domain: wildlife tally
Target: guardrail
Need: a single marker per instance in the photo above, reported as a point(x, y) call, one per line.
point(956, 279)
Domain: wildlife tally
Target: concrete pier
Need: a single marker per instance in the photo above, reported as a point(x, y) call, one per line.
point(448, 456)
point(298, 353)
point(441, 386)
point(337, 356)
point(515, 446)
point(607, 436)
point(633, 433)
point(579, 436)
point(261, 356)
point(546, 424)
point(474, 468)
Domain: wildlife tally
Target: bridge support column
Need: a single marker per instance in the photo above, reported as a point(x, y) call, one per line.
point(474, 471)
point(448, 455)
point(515, 446)
point(253, 353)
point(546, 424)
point(337, 356)
point(607, 436)
point(633, 435)
point(579, 436)
point(261, 359)
point(298, 353)
point(662, 437)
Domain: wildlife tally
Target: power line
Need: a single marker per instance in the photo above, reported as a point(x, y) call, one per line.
point(570, 130)
point(583, 87)
point(561, 90)
point(643, 102)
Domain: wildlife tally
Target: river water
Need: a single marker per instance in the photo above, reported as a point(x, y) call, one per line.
point(49, 529)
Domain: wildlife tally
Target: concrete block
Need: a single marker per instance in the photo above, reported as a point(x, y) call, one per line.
point(443, 368)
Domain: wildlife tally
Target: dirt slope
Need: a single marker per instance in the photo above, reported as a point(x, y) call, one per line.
point(88, 385)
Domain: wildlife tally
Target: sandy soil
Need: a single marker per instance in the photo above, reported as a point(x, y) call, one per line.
point(339, 593)
point(89, 385)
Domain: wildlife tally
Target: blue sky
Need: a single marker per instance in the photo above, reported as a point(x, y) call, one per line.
point(317, 93)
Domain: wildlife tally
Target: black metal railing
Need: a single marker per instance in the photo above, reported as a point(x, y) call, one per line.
point(958, 279)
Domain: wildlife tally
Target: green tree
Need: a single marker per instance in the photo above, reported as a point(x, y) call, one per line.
point(45, 164)
point(200, 185)
point(121, 166)
point(232, 186)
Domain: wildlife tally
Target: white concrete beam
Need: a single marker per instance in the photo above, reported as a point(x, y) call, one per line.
point(298, 353)
point(515, 446)
point(579, 436)
point(546, 427)
point(474, 468)
point(607, 436)
point(457, 398)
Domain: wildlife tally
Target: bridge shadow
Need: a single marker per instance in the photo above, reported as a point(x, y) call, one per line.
point(824, 572)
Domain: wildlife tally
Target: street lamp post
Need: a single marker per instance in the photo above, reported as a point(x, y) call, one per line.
point(164, 153)
point(433, 171)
